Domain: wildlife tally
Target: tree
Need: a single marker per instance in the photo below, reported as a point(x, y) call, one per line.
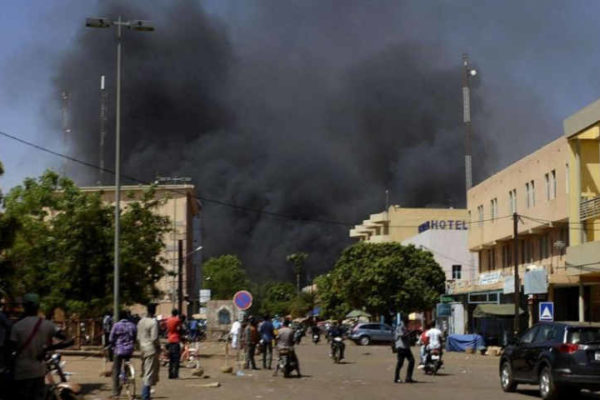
point(274, 298)
point(64, 242)
point(224, 276)
point(383, 279)
point(297, 260)
point(8, 227)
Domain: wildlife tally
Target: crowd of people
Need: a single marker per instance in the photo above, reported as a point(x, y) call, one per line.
point(24, 344)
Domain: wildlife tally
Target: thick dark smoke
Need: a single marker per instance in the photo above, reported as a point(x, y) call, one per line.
point(297, 113)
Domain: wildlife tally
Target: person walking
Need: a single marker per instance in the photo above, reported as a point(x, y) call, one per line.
point(252, 339)
point(235, 333)
point(30, 338)
point(122, 339)
point(267, 334)
point(402, 344)
point(147, 335)
point(174, 343)
point(5, 326)
point(107, 323)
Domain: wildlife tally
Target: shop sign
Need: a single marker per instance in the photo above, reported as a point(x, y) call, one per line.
point(444, 224)
point(489, 278)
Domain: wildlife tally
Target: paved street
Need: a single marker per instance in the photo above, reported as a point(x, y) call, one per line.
point(367, 373)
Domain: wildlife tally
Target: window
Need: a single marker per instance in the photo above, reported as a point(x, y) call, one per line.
point(547, 180)
point(512, 201)
point(494, 209)
point(492, 259)
point(527, 196)
point(506, 256)
point(456, 271)
point(224, 317)
point(553, 183)
point(567, 178)
point(532, 186)
point(480, 214)
point(529, 335)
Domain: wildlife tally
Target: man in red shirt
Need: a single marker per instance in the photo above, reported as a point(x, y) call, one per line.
point(173, 343)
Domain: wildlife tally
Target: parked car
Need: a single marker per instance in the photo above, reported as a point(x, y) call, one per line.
point(367, 332)
point(561, 357)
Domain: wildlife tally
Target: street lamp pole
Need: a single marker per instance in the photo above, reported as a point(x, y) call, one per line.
point(137, 25)
point(117, 266)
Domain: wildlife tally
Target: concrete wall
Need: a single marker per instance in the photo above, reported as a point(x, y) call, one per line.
point(448, 248)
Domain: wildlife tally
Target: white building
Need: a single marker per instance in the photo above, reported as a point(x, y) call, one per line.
point(450, 250)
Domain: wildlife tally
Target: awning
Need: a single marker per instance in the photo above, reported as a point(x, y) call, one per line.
point(495, 310)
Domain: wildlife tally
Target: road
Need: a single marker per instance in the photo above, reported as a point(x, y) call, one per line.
point(366, 374)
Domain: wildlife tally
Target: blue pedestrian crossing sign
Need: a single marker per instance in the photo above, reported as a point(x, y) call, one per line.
point(546, 311)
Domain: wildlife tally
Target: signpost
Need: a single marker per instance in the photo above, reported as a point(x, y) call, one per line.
point(242, 300)
point(546, 311)
point(204, 295)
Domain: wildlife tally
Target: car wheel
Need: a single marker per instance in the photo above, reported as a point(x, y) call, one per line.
point(548, 389)
point(365, 340)
point(506, 378)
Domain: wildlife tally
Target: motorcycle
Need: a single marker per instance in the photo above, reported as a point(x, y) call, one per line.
point(286, 363)
point(315, 338)
point(433, 361)
point(336, 349)
point(59, 388)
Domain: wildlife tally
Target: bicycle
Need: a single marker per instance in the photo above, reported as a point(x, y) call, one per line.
point(127, 379)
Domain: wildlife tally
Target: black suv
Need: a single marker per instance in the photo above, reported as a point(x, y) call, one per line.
point(562, 357)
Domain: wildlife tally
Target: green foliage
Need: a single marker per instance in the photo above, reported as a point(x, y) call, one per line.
point(63, 247)
point(224, 276)
point(274, 298)
point(381, 278)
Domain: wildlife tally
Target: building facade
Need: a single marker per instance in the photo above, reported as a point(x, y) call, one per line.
point(397, 223)
point(183, 210)
point(555, 192)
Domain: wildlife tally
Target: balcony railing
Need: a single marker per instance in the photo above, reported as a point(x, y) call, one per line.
point(589, 208)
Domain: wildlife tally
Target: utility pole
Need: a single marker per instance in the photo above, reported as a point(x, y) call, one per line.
point(516, 261)
point(180, 276)
point(103, 118)
point(468, 73)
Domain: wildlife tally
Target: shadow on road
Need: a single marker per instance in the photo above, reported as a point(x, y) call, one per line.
point(87, 388)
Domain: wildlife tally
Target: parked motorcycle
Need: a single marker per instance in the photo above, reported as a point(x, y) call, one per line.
point(336, 349)
point(433, 361)
point(286, 363)
point(59, 388)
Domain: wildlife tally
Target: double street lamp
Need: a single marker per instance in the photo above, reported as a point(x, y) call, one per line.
point(138, 25)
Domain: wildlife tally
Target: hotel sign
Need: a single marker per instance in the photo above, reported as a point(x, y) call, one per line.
point(444, 224)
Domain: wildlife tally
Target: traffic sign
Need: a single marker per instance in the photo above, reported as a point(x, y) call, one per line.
point(546, 311)
point(242, 300)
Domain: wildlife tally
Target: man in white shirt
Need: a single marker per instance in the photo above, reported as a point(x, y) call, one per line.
point(435, 337)
point(147, 336)
point(236, 330)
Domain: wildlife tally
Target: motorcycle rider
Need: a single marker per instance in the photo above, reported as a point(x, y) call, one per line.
point(285, 341)
point(315, 331)
point(336, 331)
point(423, 341)
point(435, 337)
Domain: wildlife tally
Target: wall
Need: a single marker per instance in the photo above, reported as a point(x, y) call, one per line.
point(448, 248)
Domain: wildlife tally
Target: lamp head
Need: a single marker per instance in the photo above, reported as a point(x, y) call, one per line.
point(98, 22)
point(140, 25)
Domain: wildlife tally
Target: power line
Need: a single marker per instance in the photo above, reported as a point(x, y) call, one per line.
point(201, 198)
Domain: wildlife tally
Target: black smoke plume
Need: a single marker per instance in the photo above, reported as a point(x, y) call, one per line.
point(297, 112)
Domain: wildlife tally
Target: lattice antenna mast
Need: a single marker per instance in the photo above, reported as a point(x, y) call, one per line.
point(66, 127)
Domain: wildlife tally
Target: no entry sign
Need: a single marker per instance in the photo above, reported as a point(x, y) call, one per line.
point(242, 300)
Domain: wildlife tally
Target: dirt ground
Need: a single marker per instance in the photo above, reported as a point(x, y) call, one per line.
point(367, 373)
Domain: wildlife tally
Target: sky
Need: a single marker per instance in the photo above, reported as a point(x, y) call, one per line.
point(310, 108)
point(549, 48)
